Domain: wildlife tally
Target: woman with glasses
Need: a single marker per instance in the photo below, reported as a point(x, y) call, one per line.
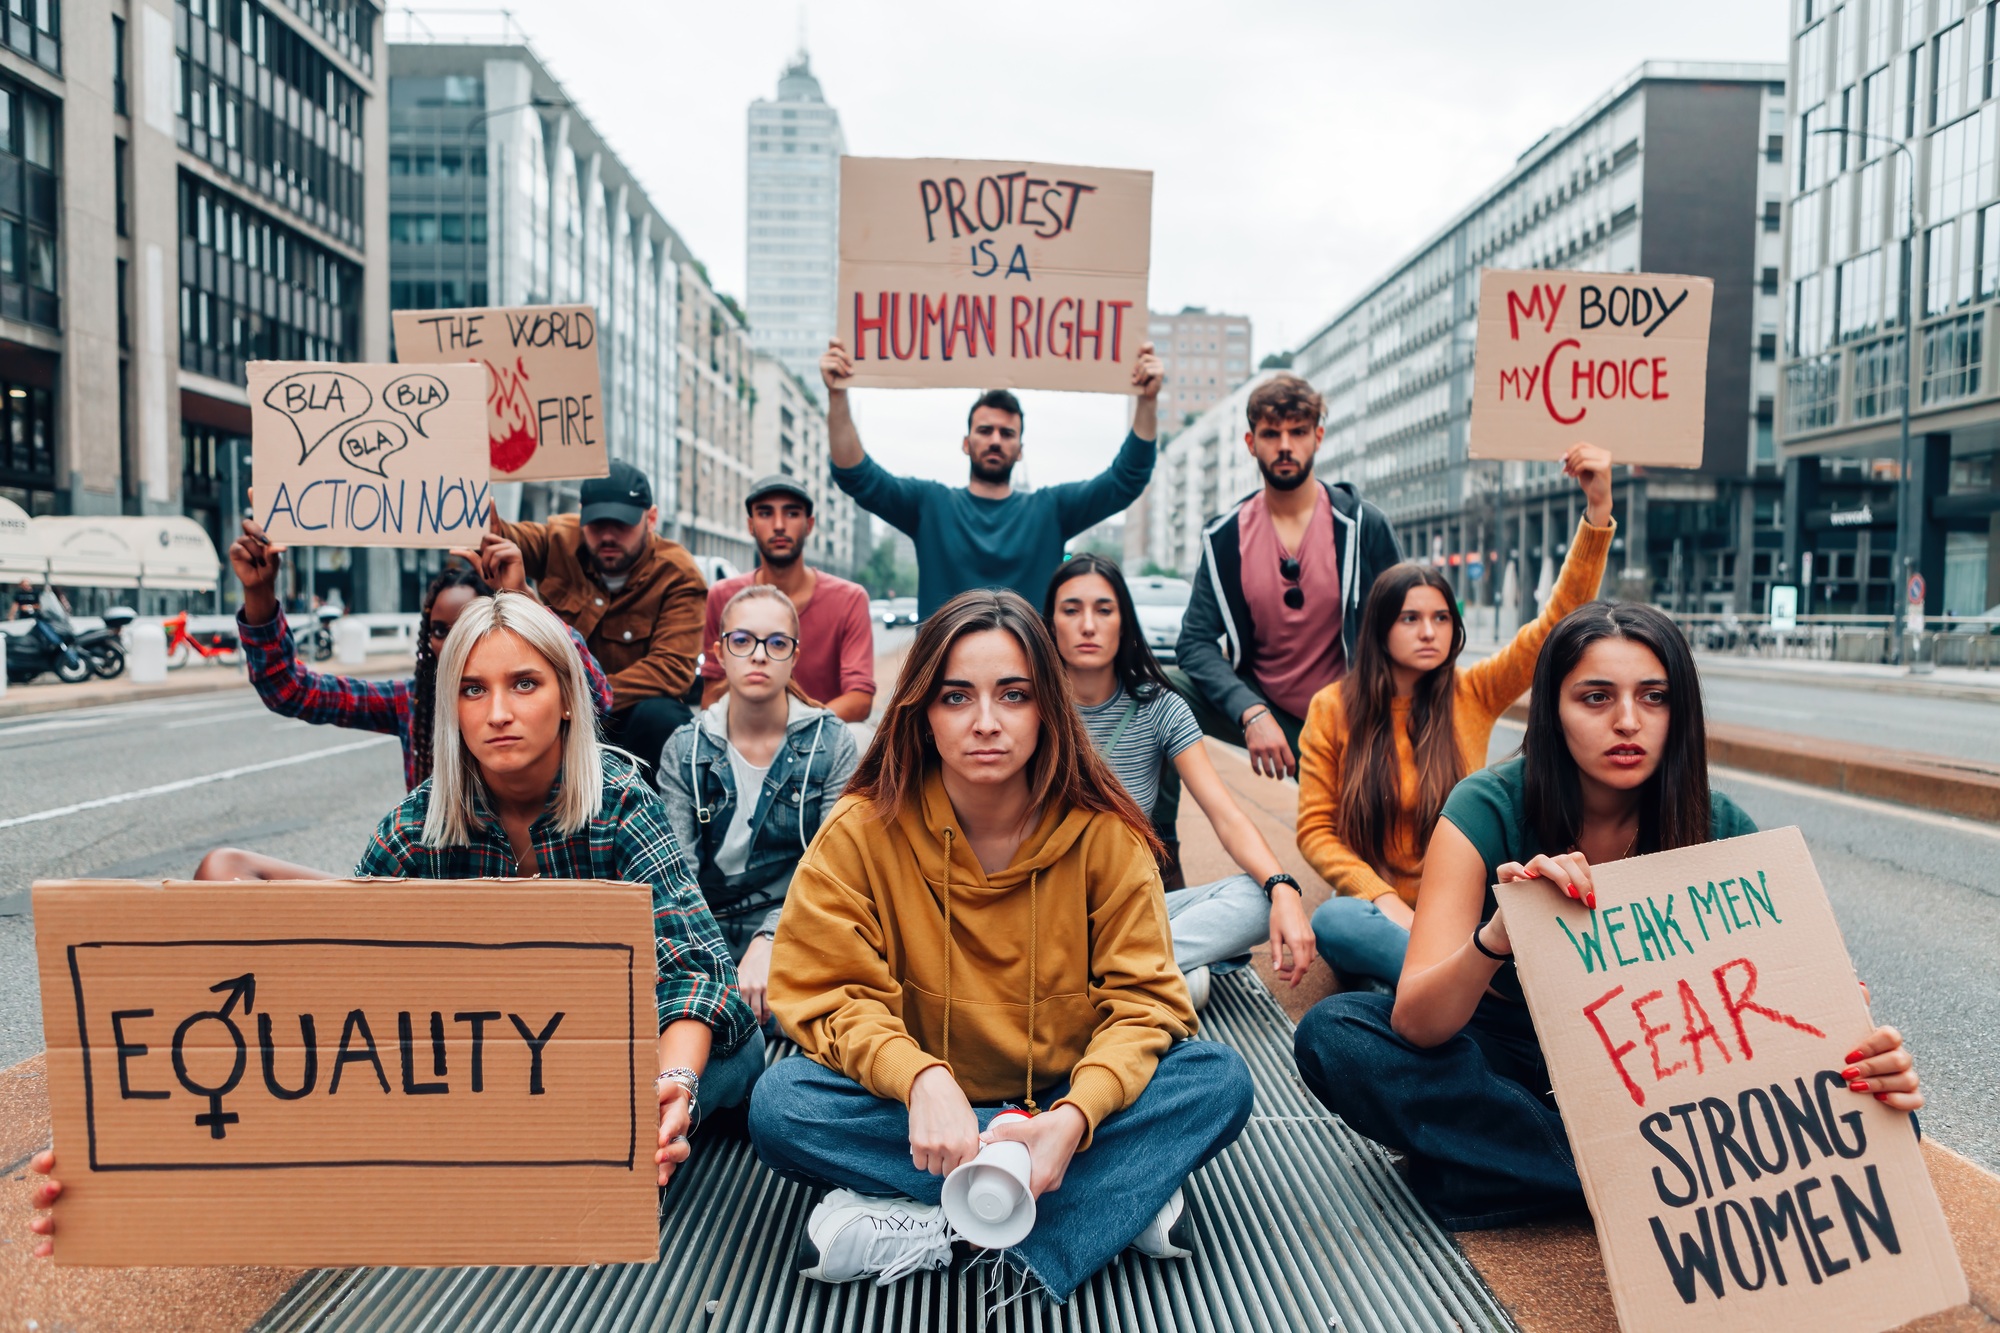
point(400, 708)
point(749, 779)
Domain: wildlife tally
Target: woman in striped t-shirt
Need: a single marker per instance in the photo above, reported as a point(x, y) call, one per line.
point(1137, 721)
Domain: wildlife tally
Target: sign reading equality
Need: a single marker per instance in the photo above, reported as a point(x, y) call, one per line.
point(350, 1072)
point(1695, 1026)
point(544, 391)
point(993, 274)
point(1618, 359)
point(349, 454)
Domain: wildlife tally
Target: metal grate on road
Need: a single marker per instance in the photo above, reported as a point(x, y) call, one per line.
point(1300, 1225)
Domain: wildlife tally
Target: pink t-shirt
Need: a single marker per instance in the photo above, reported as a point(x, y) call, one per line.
point(836, 637)
point(1296, 652)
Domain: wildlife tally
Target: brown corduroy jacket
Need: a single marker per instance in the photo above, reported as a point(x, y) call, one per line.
point(646, 635)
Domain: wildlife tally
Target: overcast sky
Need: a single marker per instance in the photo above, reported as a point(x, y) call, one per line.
point(1298, 149)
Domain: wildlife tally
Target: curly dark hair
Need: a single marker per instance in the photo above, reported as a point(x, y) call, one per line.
point(423, 701)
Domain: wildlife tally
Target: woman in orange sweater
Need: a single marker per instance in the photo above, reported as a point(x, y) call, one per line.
point(1383, 747)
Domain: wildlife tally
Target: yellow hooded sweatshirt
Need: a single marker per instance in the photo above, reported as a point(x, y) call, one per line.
point(1070, 939)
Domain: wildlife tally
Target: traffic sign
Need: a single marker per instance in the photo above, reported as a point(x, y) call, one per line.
point(1916, 590)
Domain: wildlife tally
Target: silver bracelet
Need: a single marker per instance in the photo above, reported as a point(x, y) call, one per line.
point(686, 1078)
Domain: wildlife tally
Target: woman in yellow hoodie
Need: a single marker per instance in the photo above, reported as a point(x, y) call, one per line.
point(1384, 746)
point(978, 925)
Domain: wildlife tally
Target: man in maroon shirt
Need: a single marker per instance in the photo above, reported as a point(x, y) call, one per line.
point(836, 654)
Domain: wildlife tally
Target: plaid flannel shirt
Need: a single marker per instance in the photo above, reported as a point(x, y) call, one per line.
point(291, 689)
point(629, 841)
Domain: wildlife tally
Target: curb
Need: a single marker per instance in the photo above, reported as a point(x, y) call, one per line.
point(1959, 787)
point(1846, 680)
point(212, 680)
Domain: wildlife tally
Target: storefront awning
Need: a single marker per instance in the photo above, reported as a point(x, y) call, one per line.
point(175, 553)
point(20, 552)
point(89, 552)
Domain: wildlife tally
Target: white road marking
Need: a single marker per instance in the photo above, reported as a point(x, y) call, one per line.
point(166, 787)
point(210, 719)
point(1807, 791)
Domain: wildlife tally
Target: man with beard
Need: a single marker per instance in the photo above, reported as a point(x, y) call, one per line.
point(987, 535)
point(835, 662)
point(1282, 581)
point(634, 596)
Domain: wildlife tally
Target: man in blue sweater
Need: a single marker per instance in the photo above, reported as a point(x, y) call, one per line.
point(984, 535)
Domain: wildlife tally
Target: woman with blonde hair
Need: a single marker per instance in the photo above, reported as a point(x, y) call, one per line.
point(980, 922)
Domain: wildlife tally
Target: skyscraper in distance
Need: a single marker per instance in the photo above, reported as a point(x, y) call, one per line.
point(793, 219)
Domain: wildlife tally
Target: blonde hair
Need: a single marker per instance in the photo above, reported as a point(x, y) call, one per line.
point(455, 781)
point(760, 592)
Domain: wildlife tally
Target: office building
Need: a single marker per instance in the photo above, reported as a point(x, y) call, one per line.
point(1914, 82)
point(1675, 169)
point(712, 428)
point(793, 220)
point(788, 430)
point(183, 188)
point(1203, 469)
point(1203, 357)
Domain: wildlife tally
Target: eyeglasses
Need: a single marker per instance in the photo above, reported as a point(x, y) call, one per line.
point(1288, 570)
point(777, 647)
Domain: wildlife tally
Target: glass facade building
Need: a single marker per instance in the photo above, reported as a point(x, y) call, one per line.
point(793, 220)
point(1892, 223)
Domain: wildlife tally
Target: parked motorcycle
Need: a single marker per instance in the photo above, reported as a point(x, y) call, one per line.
point(52, 645)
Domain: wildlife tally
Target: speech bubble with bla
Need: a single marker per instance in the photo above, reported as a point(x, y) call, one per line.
point(368, 444)
point(318, 403)
point(413, 397)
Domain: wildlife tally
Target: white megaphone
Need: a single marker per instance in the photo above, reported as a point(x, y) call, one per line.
point(988, 1200)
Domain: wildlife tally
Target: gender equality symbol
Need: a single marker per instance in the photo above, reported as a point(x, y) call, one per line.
point(215, 1119)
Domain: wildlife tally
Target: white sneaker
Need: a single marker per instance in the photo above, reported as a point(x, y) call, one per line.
point(850, 1236)
point(1197, 984)
point(1170, 1234)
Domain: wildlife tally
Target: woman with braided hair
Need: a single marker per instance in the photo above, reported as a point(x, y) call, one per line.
point(400, 708)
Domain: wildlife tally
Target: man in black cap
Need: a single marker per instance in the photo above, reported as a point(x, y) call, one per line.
point(634, 596)
point(836, 653)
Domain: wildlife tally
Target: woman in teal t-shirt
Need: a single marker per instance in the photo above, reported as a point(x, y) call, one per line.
point(1449, 1072)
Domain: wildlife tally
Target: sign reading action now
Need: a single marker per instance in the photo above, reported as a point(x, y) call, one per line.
point(1618, 359)
point(243, 1074)
point(1695, 1025)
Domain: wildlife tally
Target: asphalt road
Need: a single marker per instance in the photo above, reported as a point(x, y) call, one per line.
point(1958, 728)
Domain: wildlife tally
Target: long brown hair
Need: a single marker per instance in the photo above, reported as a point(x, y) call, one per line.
point(1371, 787)
point(1065, 769)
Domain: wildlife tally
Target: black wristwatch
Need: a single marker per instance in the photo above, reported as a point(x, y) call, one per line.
point(1282, 878)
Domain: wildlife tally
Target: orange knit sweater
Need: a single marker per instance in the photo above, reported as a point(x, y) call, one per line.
point(1483, 692)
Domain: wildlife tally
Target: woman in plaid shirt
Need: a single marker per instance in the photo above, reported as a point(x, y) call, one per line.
point(497, 804)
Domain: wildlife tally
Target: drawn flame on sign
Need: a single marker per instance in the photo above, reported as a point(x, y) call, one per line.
point(508, 404)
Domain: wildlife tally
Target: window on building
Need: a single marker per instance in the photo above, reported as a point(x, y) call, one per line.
point(27, 446)
point(118, 65)
point(33, 28)
point(1952, 355)
point(28, 287)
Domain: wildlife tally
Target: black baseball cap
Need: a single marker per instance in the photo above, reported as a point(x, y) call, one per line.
point(622, 497)
point(779, 484)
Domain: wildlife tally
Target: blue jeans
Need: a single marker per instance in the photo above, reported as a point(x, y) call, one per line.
point(727, 1082)
point(1214, 923)
point(818, 1127)
point(1358, 941)
point(1484, 1142)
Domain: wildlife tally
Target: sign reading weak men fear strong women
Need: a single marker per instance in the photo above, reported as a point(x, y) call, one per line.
point(989, 275)
point(1695, 1024)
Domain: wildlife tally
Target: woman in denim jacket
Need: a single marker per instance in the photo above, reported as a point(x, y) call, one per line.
point(749, 779)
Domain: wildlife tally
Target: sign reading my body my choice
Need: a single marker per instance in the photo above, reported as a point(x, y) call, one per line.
point(1619, 359)
point(351, 454)
point(993, 274)
point(1695, 1025)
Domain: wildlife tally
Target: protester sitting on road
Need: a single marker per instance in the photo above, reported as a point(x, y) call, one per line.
point(835, 662)
point(747, 783)
point(980, 921)
point(1383, 748)
point(1138, 722)
point(1449, 1072)
point(635, 596)
point(1282, 581)
point(986, 534)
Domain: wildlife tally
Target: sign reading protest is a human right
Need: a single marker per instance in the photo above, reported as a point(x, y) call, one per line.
point(544, 390)
point(1695, 1024)
point(351, 1072)
point(961, 274)
point(1618, 359)
point(353, 454)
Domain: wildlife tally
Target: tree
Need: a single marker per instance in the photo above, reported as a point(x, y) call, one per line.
point(883, 575)
point(1276, 361)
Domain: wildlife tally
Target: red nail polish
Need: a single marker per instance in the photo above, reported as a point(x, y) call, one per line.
point(1881, 1096)
point(1857, 1085)
point(1850, 1074)
point(1852, 1056)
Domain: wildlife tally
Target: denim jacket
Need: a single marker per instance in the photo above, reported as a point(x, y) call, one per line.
point(807, 774)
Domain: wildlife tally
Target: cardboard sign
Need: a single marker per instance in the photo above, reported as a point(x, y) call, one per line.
point(350, 1072)
point(544, 393)
point(1695, 1026)
point(348, 454)
point(986, 275)
point(1618, 359)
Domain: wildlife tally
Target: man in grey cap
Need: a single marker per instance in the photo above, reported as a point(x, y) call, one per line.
point(634, 596)
point(836, 653)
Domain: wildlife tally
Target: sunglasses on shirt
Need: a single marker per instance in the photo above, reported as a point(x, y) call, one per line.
point(1288, 570)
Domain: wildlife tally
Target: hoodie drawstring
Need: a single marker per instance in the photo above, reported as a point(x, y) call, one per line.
point(1034, 936)
point(947, 948)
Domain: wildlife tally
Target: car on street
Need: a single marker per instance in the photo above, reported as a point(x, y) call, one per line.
point(1161, 603)
point(894, 611)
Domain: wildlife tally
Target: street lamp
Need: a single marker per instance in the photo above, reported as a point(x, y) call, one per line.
point(1903, 517)
point(536, 102)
